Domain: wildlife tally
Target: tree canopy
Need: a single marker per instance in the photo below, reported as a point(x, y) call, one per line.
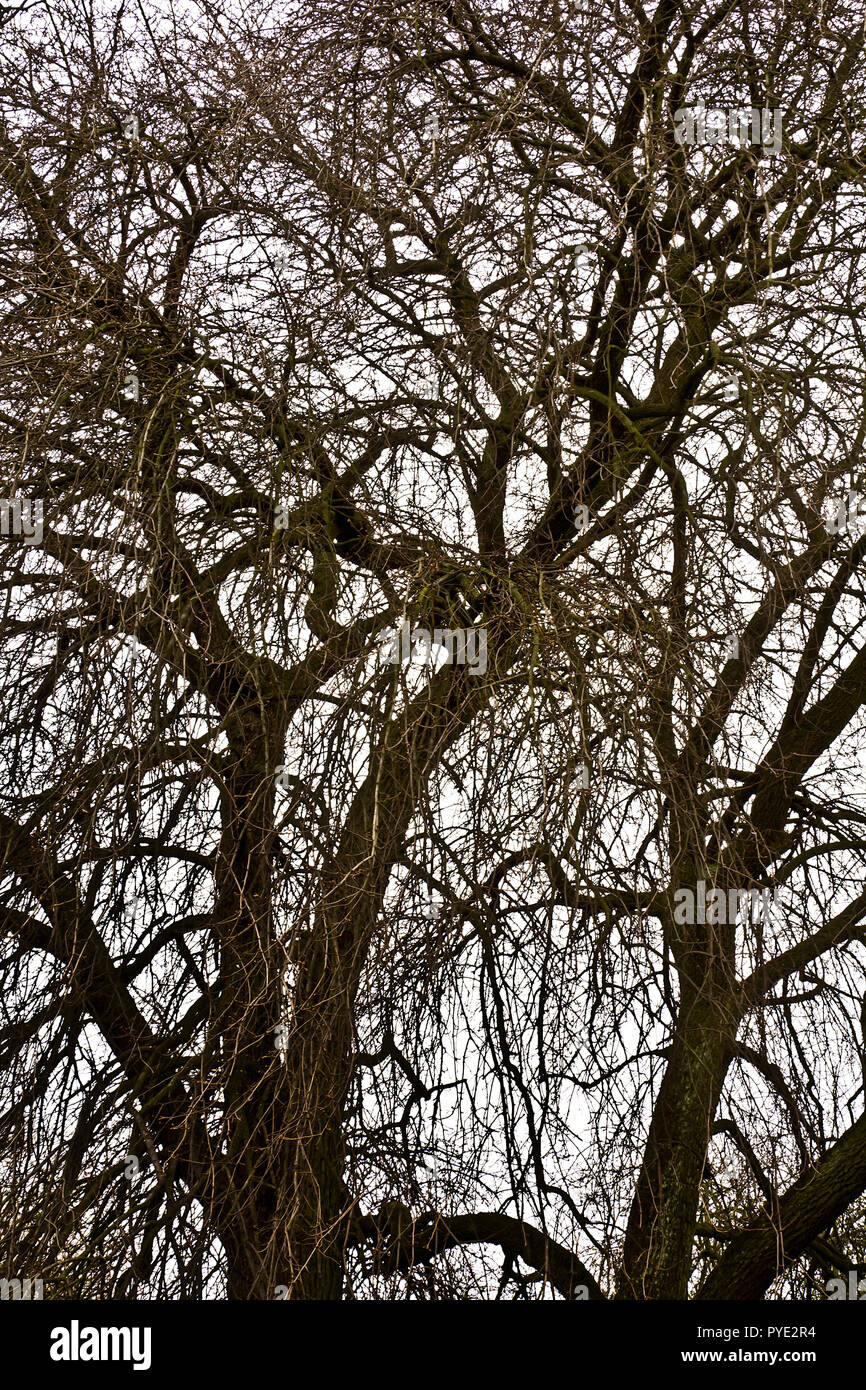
point(432, 664)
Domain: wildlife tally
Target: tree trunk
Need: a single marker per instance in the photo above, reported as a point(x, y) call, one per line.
point(657, 1249)
point(251, 1179)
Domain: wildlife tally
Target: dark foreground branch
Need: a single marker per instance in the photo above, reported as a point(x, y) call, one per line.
point(776, 1239)
point(405, 1243)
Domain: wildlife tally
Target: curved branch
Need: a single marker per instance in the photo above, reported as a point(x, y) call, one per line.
point(777, 1238)
point(420, 1241)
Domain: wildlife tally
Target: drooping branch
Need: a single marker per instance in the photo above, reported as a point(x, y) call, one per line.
point(778, 1236)
point(404, 1245)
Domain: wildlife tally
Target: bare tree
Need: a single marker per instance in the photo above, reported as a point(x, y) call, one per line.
point(432, 664)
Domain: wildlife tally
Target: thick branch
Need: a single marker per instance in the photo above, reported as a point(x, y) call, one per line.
point(422, 1240)
point(776, 1239)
